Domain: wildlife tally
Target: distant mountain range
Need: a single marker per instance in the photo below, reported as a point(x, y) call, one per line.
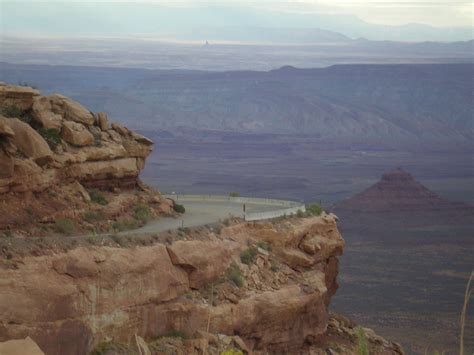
point(206, 22)
point(376, 105)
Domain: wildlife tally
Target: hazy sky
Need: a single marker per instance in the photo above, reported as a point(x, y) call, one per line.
point(390, 12)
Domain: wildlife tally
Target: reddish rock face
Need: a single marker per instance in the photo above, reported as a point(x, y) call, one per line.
point(60, 142)
point(70, 302)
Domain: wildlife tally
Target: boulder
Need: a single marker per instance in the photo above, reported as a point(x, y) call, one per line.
point(30, 142)
point(6, 165)
point(71, 110)
point(43, 114)
point(5, 129)
point(28, 176)
point(18, 96)
point(123, 131)
point(103, 121)
point(77, 134)
point(194, 256)
point(136, 149)
point(141, 139)
point(25, 346)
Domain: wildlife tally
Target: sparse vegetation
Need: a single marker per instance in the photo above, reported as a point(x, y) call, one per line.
point(234, 194)
point(232, 351)
point(64, 226)
point(176, 334)
point(300, 214)
point(91, 240)
point(110, 347)
point(467, 296)
point(248, 255)
point(314, 209)
point(51, 136)
point(98, 198)
point(234, 274)
point(274, 267)
point(179, 208)
point(12, 111)
point(125, 224)
point(19, 154)
point(93, 216)
point(264, 245)
point(29, 211)
point(141, 212)
point(361, 342)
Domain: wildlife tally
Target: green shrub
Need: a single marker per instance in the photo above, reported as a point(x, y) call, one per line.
point(98, 198)
point(179, 208)
point(274, 267)
point(264, 245)
point(176, 334)
point(361, 342)
point(314, 209)
point(12, 111)
point(125, 224)
point(300, 214)
point(29, 211)
point(234, 194)
point(248, 256)
point(51, 136)
point(232, 351)
point(234, 274)
point(64, 226)
point(141, 212)
point(93, 216)
point(110, 347)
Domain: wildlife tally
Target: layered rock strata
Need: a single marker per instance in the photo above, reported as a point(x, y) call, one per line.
point(276, 302)
point(50, 140)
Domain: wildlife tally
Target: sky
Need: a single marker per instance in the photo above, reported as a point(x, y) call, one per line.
point(440, 13)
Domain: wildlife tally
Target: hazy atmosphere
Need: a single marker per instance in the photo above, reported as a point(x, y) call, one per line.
point(236, 177)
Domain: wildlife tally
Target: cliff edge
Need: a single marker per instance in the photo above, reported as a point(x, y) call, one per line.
point(55, 154)
point(260, 287)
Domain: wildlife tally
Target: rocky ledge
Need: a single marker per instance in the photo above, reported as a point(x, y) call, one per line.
point(52, 149)
point(261, 287)
point(46, 140)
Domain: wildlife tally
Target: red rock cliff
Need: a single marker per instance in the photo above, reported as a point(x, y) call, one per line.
point(50, 140)
point(70, 302)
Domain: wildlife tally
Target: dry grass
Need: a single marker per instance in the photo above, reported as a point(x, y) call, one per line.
point(467, 296)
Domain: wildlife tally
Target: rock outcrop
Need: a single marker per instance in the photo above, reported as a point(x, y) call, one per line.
point(71, 302)
point(400, 201)
point(50, 140)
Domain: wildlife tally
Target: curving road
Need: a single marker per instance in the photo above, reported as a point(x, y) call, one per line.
point(199, 213)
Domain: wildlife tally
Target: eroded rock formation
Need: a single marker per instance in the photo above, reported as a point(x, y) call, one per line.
point(52, 149)
point(399, 201)
point(50, 140)
point(277, 303)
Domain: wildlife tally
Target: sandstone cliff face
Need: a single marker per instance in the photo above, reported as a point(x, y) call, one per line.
point(50, 140)
point(52, 149)
point(70, 302)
